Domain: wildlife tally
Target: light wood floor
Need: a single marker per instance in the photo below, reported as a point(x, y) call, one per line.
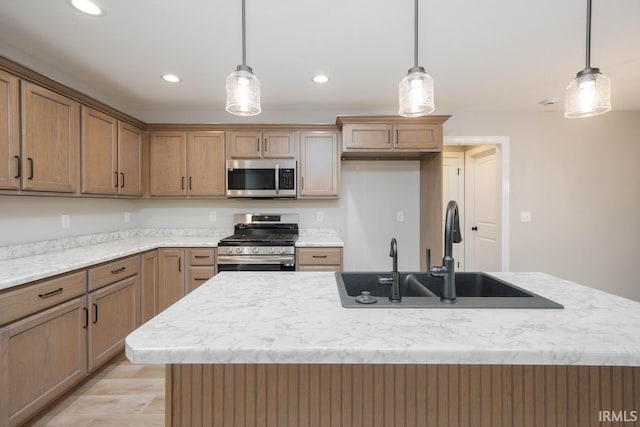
point(120, 394)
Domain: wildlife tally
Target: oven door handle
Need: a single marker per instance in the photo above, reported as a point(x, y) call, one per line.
point(250, 259)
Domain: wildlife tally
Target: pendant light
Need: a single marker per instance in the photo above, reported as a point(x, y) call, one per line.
point(416, 89)
point(589, 94)
point(243, 87)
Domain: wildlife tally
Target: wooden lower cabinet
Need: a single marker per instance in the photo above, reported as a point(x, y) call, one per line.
point(171, 276)
point(148, 286)
point(41, 356)
point(112, 316)
point(319, 259)
point(202, 267)
point(351, 395)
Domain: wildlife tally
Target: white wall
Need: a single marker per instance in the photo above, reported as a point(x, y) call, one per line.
point(580, 179)
point(372, 193)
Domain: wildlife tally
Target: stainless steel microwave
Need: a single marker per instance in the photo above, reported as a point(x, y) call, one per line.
point(261, 178)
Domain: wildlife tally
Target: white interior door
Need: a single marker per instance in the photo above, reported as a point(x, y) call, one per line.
point(483, 210)
point(453, 189)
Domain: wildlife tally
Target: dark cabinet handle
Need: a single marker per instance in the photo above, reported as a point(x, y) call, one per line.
point(116, 174)
point(19, 167)
point(318, 256)
point(200, 279)
point(202, 256)
point(50, 294)
point(180, 264)
point(122, 175)
point(190, 183)
point(118, 270)
point(183, 182)
point(30, 160)
point(86, 317)
point(95, 316)
point(474, 228)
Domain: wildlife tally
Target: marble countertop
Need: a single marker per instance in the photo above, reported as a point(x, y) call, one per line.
point(297, 318)
point(72, 254)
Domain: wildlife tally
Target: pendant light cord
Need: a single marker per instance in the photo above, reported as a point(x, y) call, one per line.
point(415, 46)
point(588, 55)
point(244, 44)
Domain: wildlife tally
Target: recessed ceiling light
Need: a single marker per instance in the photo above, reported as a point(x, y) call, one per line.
point(171, 78)
point(88, 7)
point(320, 78)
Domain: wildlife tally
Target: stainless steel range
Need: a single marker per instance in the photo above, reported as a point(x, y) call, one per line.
point(261, 242)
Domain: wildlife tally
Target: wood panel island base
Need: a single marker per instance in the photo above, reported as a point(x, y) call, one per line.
point(278, 349)
point(401, 395)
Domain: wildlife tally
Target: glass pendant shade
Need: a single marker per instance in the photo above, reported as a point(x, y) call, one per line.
point(416, 94)
point(589, 94)
point(243, 92)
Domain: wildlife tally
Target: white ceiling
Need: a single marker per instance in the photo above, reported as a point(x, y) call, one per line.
point(494, 55)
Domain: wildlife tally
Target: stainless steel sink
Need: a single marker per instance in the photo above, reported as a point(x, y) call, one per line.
point(474, 290)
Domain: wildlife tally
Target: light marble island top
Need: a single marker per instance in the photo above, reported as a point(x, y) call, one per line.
point(244, 317)
point(39, 260)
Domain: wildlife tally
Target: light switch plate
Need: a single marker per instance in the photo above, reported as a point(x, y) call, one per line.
point(320, 216)
point(400, 216)
point(65, 221)
point(212, 216)
point(525, 216)
point(127, 217)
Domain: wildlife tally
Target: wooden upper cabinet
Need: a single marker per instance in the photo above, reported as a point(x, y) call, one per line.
point(319, 165)
point(168, 168)
point(50, 145)
point(367, 136)
point(205, 163)
point(418, 136)
point(9, 132)
point(129, 160)
point(256, 144)
point(99, 145)
point(390, 136)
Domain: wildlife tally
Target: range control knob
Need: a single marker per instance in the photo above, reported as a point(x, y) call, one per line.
point(272, 250)
point(228, 250)
point(254, 250)
point(282, 251)
point(238, 250)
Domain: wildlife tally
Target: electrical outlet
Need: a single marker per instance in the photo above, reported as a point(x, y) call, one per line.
point(66, 221)
point(212, 216)
point(400, 216)
point(320, 216)
point(127, 217)
point(525, 216)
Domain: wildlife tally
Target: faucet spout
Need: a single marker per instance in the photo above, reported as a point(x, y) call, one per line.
point(452, 234)
point(394, 295)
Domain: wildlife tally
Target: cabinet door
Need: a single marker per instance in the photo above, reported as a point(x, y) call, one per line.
point(205, 163)
point(168, 163)
point(148, 286)
point(99, 143)
point(9, 132)
point(279, 145)
point(243, 145)
point(129, 160)
point(319, 165)
point(366, 136)
point(40, 357)
point(171, 276)
point(49, 140)
point(112, 316)
point(418, 137)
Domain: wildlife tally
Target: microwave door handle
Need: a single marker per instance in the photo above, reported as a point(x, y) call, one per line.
point(277, 178)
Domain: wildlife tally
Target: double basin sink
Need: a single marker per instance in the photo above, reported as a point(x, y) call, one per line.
point(474, 290)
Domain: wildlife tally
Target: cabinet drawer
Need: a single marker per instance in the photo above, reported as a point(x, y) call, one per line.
point(330, 268)
point(113, 271)
point(32, 298)
point(319, 256)
point(199, 275)
point(204, 256)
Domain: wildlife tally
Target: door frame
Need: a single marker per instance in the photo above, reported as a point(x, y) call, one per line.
point(502, 155)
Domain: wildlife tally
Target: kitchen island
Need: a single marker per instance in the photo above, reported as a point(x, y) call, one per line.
point(279, 349)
